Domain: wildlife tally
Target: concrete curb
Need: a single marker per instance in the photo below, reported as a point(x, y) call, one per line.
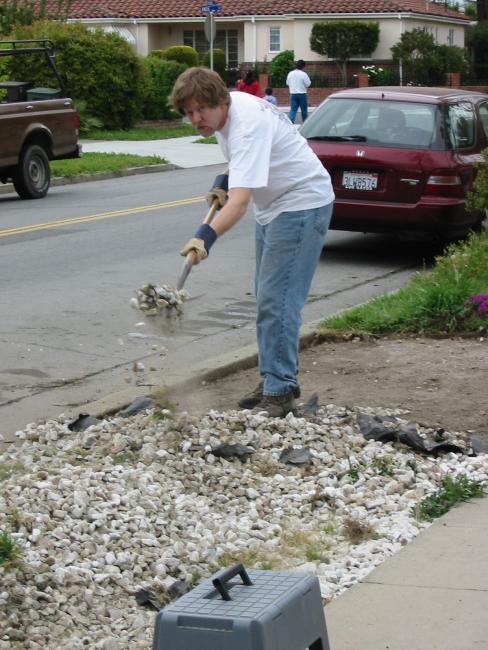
point(101, 176)
point(211, 370)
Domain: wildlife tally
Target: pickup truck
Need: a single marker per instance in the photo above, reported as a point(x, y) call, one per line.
point(37, 124)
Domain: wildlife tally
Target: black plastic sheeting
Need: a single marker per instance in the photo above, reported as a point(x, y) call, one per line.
point(390, 429)
point(226, 450)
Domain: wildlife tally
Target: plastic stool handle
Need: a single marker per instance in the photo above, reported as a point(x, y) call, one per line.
point(227, 574)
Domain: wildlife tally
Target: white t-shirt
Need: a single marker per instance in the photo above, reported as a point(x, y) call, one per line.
point(298, 81)
point(267, 155)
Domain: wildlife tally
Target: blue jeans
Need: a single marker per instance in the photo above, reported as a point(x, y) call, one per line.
point(298, 100)
point(287, 253)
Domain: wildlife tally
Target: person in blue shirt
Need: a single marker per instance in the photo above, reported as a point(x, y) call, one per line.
point(269, 97)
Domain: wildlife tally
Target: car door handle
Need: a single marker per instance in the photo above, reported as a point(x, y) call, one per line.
point(29, 107)
point(67, 103)
point(410, 181)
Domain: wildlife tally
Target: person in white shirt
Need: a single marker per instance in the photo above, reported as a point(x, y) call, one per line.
point(298, 81)
point(273, 170)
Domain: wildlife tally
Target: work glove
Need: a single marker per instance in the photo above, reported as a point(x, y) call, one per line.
point(200, 244)
point(197, 247)
point(219, 190)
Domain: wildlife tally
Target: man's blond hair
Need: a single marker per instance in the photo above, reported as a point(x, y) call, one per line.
point(203, 85)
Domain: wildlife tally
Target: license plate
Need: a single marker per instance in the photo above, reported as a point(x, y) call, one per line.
point(359, 181)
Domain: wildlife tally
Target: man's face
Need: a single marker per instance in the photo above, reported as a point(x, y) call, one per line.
point(206, 119)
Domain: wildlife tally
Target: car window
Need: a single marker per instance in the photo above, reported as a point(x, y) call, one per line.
point(379, 122)
point(461, 125)
point(484, 118)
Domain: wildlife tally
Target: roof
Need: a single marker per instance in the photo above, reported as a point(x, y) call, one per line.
point(412, 92)
point(154, 9)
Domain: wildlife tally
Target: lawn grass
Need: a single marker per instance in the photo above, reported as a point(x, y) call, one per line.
point(143, 133)
point(211, 139)
point(433, 302)
point(94, 163)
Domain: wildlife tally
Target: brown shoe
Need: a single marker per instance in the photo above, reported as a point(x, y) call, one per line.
point(277, 406)
point(252, 399)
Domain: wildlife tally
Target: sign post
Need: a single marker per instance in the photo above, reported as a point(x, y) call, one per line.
point(210, 10)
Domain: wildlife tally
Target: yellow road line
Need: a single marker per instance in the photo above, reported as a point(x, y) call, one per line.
point(9, 232)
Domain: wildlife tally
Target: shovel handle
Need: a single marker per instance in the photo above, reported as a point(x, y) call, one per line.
point(190, 259)
point(211, 213)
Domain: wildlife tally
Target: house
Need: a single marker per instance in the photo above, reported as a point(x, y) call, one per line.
point(256, 30)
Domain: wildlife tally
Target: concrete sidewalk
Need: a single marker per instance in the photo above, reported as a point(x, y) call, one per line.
point(433, 595)
point(184, 152)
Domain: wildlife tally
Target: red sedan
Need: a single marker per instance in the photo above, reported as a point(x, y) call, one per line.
point(401, 158)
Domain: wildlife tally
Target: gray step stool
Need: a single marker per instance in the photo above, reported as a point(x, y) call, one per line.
point(265, 610)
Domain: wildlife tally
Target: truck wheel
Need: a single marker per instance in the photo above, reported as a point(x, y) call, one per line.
point(32, 175)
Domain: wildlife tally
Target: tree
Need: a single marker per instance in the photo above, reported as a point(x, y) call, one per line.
point(477, 43)
point(416, 53)
point(12, 13)
point(423, 61)
point(343, 39)
point(482, 10)
point(25, 12)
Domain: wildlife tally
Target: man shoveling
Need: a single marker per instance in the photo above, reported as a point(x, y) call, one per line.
point(273, 170)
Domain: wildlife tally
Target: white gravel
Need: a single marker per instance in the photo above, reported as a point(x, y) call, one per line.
point(141, 502)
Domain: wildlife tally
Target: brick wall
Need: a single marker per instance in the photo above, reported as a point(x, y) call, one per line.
point(317, 95)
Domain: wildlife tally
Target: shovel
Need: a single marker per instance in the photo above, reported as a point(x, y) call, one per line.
point(190, 258)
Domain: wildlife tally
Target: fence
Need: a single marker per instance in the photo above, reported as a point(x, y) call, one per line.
point(317, 95)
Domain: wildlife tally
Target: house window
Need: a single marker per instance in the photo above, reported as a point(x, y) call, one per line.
point(275, 39)
point(225, 39)
point(450, 38)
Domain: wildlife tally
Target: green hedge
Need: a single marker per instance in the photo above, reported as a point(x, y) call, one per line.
point(219, 62)
point(182, 54)
point(160, 75)
point(99, 68)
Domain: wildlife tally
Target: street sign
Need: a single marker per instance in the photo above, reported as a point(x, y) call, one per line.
point(211, 8)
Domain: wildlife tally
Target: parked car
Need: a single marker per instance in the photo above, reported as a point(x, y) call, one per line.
point(36, 124)
point(401, 158)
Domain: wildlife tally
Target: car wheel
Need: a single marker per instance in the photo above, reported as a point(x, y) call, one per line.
point(32, 176)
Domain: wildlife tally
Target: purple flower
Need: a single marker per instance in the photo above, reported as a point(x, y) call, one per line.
point(480, 302)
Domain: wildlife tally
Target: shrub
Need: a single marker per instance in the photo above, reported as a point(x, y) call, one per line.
point(157, 53)
point(219, 62)
point(161, 75)
point(182, 54)
point(99, 68)
point(380, 76)
point(452, 59)
point(280, 66)
point(478, 198)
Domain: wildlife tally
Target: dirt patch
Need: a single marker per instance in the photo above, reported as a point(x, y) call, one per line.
point(440, 382)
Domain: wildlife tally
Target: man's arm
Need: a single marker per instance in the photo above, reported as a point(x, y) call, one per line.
point(233, 210)
point(229, 215)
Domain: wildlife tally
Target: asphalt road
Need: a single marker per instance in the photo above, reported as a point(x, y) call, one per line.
point(70, 263)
